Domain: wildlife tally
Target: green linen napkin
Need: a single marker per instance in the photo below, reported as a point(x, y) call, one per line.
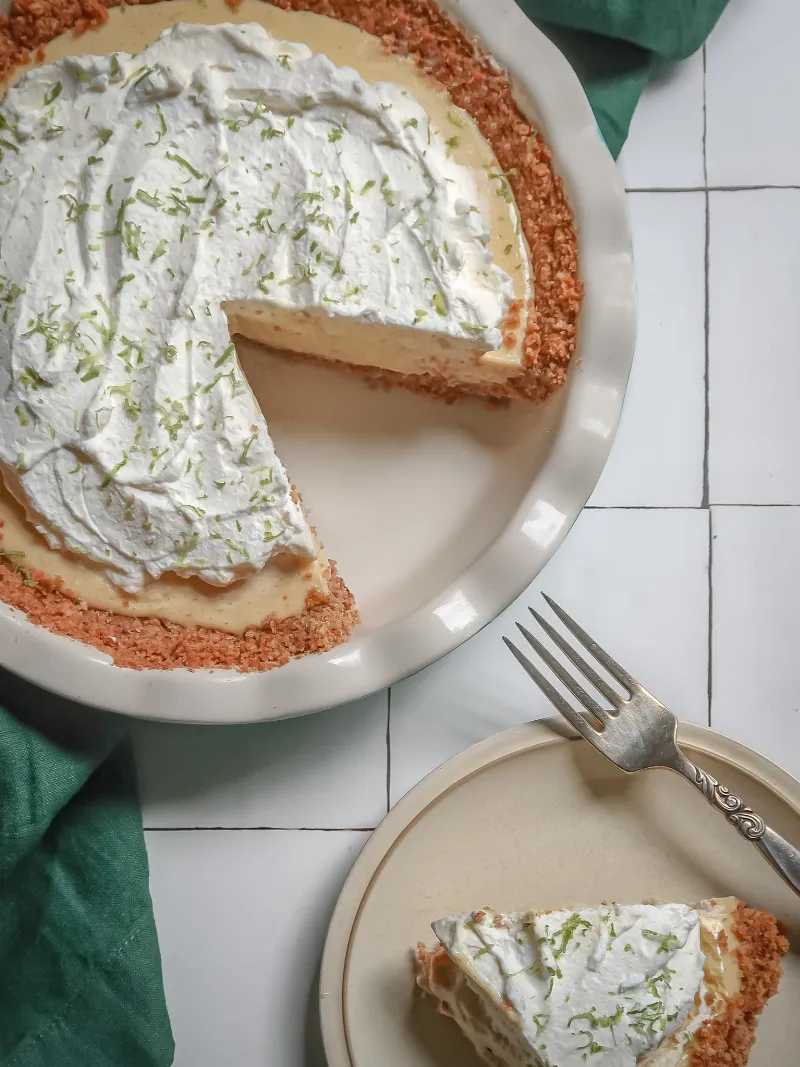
point(616, 46)
point(80, 972)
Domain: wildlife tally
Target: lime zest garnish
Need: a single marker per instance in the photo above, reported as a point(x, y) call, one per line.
point(247, 445)
point(142, 72)
point(387, 193)
point(75, 208)
point(53, 93)
point(132, 238)
point(11, 559)
point(567, 932)
point(161, 131)
point(114, 470)
point(225, 355)
point(504, 189)
point(665, 942)
point(148, 198)
point(117, 231)
point(175, 158)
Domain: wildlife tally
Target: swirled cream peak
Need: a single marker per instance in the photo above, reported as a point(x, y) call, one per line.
point(137, 195)
point(608, 985)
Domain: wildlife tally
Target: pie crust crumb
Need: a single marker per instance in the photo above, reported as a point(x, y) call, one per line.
point(726, 1041)
point(141, 643)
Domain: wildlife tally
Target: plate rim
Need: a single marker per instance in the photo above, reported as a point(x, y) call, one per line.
point(540, 733)
point(593, 397)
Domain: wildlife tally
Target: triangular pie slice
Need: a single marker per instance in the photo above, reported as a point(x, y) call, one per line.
point(668, 985)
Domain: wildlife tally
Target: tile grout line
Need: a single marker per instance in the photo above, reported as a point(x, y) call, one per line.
point(260, 829)
point(710, 654)
point(389, 750)
point(707, 246)
point(707, 188)
point(643, 507)
point(706, 384)
point(705, 119)
point(680, 507)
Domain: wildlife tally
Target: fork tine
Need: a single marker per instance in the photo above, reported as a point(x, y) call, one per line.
point(573, 717)
point(563, 675)
point(591, 646)
point(602, 686)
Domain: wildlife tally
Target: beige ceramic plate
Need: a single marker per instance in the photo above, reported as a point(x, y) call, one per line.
point(535, 818)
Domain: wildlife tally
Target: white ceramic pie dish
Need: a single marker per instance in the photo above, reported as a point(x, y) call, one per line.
point(448, 512)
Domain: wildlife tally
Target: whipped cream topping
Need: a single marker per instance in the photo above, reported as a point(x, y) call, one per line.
point(608, 985)
point(137, 195)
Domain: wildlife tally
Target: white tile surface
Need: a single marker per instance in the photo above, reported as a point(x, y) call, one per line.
point(652, 464)
point(635, 575)
point(241, 920)
point(326, 770)
point(754, 371)
point(756, 670)
point(753, 94)
point(664, 149)
point(636, 580)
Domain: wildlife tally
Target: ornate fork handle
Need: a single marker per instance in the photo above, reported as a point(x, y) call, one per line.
point(737, 813)
point(640, 733)
point(785, 858)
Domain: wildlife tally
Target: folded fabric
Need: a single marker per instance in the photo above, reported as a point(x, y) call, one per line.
point(615, 47)
point(80, 972)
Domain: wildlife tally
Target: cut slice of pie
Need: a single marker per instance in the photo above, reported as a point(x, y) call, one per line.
point(666, 985)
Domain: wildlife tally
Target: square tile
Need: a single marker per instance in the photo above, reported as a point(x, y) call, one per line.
point(242, 918)
point(637, 580)
point(753, 95)
point(756, 670)
point(664, 149)
point(324, 770)
point(657, 458)
point(754, 372)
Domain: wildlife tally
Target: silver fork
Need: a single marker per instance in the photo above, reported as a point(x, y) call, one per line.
point(638, 732)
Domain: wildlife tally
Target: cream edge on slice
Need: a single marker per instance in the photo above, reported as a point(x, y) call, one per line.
point(161, 216)
point(614, 986)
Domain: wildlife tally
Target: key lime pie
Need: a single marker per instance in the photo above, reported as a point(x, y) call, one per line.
point(229, 180)
point(665, 985)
